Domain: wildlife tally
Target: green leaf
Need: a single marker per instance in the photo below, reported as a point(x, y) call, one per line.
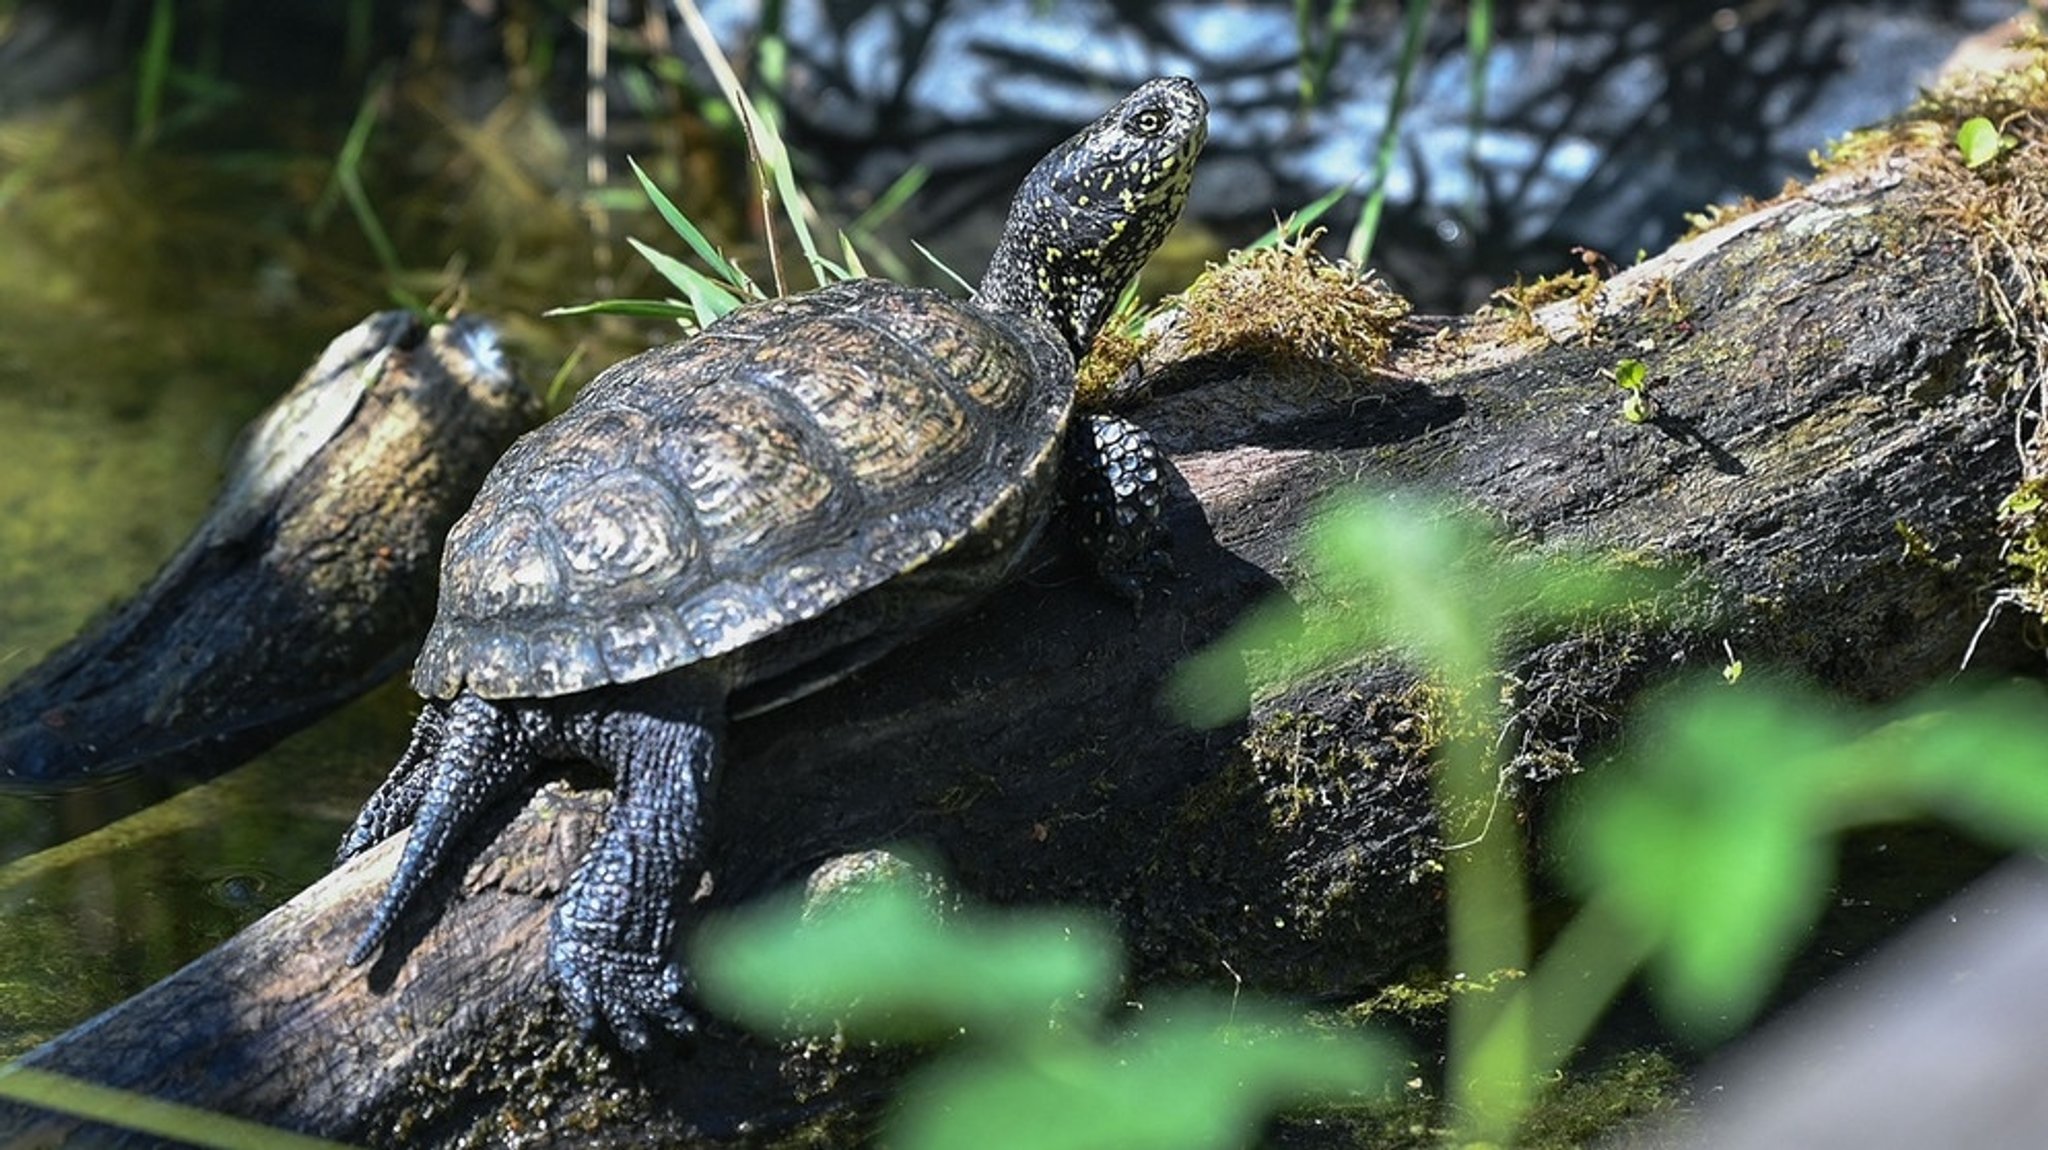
point(1978, 759)
point(1189, 1075)
point(1209, 689)
point(877, 963)
point(708, 298)
point(1712, 837)
point(2026, 500)
point(650, 308)
point(1722, 891)
point(1980, 141)
point(681, 225)
point(1407, 575)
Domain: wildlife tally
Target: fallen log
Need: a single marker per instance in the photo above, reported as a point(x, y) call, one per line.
point(309, 580)
point(1836, 375)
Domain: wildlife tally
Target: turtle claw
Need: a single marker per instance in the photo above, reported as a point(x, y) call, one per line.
point(472, 759)
point(611, 942)
point(629, 994)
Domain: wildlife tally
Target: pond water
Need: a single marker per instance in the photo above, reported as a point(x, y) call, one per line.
point(132, 348)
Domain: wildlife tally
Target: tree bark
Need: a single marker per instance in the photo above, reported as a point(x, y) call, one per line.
point(1835, 432)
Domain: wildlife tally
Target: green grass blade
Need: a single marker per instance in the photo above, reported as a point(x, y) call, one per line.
point(941, 265)
point(153, 71)
point(891, 201)
point(1304, 218)
point(144, 1114)
point(551, 398)
point(764, 142)
point(680, 224)
point(644, 308)
point(854, 268)
point(348, 162)
point(1359, 247)
point(708, 298)
point(1478, 50)
point(796, 204)
point(736, 96)
point(1318, 55)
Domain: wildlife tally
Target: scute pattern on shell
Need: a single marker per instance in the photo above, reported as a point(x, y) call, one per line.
point(707, 493)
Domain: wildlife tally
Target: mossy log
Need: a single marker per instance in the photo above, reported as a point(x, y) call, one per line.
point(1837, 378)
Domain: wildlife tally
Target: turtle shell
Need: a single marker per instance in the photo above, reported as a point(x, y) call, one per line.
point(706, 494)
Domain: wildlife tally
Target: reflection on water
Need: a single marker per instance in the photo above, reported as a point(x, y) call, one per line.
point(96, 918)
point(135, 340)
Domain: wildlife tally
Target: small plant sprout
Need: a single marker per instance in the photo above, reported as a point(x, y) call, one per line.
point(1731, 672)
point(1633, 378)
point(1980, 141)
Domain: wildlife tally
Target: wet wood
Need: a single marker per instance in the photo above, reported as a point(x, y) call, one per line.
point(309, 580)
point(1833, 440)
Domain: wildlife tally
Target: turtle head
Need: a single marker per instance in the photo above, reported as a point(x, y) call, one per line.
point(1091, 213)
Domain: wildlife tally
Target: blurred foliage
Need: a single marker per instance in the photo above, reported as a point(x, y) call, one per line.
point(140, 1113)
point(1398, 573)
point(875, 964)
point(1702, 851)
point(1714, 841)
point(1020, 995)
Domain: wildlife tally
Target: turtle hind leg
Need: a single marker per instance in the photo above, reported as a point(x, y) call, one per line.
point(1114, 481)
point(478, 756)
point(611, 944)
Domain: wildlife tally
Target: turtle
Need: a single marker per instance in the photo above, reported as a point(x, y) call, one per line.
point(756, 511)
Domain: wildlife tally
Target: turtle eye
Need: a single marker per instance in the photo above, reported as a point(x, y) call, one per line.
point(1148, 122)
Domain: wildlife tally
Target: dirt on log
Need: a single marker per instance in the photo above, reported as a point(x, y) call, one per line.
point(1843, 391)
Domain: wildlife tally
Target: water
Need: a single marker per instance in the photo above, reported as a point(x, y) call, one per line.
point(132, 348)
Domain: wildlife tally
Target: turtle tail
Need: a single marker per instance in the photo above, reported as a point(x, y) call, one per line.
point(398, 798)
point(476, 757)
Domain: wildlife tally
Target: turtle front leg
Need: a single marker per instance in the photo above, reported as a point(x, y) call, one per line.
point(612, 939)
point(1114, 482)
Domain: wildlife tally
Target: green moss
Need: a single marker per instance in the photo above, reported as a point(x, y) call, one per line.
point(1286, 306)
point(1302, 765)
point(2023, 516)
point(1517, 304)
point(1290, 306)
point(1716, 215)
point(1422, 997)
point(1630, 1092)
